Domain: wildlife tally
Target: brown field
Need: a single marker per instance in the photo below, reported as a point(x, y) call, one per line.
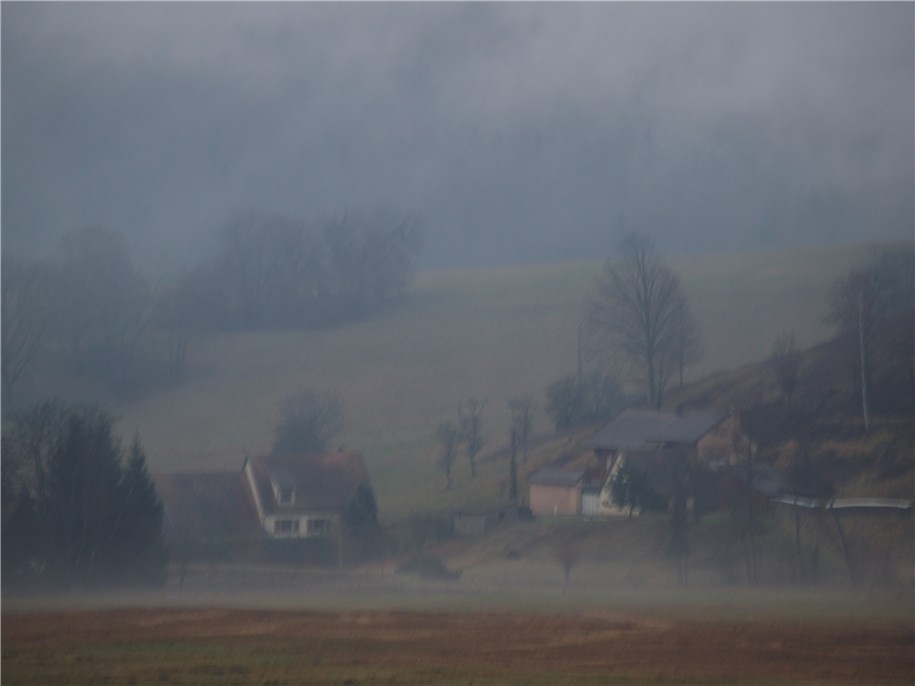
point(231, 646)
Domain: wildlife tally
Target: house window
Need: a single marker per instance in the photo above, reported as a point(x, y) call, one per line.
point(286, 496)
point(317, 527)
point(286, 527)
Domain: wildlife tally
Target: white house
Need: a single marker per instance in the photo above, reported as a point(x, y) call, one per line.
point(298, 496)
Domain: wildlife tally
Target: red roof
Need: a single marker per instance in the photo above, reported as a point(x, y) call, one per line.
point(320, 482)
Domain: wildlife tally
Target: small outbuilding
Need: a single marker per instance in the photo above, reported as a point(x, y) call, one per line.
point(556, 491)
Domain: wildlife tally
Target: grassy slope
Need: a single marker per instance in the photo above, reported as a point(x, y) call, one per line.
point(489, 333)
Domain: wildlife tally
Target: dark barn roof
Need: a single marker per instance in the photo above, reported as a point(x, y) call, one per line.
point(642, 430)
point(321, 482)
point(207, 505)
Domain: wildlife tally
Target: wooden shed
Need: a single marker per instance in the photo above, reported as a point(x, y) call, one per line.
point(556, 491)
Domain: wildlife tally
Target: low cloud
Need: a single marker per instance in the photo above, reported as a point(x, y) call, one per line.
point(519, 131)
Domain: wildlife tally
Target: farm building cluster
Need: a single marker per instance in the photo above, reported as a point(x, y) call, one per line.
point(663, 450)
point(660, 446)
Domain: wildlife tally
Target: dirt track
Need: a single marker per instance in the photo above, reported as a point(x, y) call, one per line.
point(257, 647)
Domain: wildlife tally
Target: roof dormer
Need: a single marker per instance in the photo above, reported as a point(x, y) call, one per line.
point(283, 485)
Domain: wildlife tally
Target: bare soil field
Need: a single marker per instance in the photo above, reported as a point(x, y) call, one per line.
point(227, 646)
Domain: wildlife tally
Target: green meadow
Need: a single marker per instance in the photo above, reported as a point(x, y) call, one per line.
point(491, 333)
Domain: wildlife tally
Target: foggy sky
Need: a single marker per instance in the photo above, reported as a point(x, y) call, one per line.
point(519, 132)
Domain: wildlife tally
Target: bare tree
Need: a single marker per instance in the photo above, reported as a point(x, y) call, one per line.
point(563, 402)
point(574, 401)
point(638, 311)
point(101, 305)
point(522, 410)
point(25, 317)
point(471, 427)
point(269, 267)
point(567, 555)
point(900, 350)
point(372, 255)
point(742, 444)
point(688, 347)
point(449, 437)
point(512, 468)
point(277, 270)
point(860, 299)
point(310, 420)
point(679, 526)
point(786, 359)
point(179, 309)
point(242, 244)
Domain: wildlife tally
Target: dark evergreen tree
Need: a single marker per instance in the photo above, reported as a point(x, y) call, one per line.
point(360, 519)
point(141, 552)
point(513, 468)
point(82, 515)
point(679, 527)
point(84, 474)
point(628, 487)
point(20, 538)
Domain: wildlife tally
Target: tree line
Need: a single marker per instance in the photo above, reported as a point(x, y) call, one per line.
point(109, 322)
point(78, 508)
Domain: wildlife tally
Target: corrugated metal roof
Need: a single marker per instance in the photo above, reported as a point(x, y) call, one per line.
point(799, 501)
point(870, 503)
point(846, 503)
point(641, 429)
point(557, 477)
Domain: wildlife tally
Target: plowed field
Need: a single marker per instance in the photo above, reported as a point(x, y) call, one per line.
point(223, 646)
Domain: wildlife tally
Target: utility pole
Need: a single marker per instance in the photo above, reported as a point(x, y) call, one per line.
point(513, 469)
point(863, 359)
point(579, 355)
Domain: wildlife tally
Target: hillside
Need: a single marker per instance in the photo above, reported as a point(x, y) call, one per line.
point(489, 333)
point(818, 442)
